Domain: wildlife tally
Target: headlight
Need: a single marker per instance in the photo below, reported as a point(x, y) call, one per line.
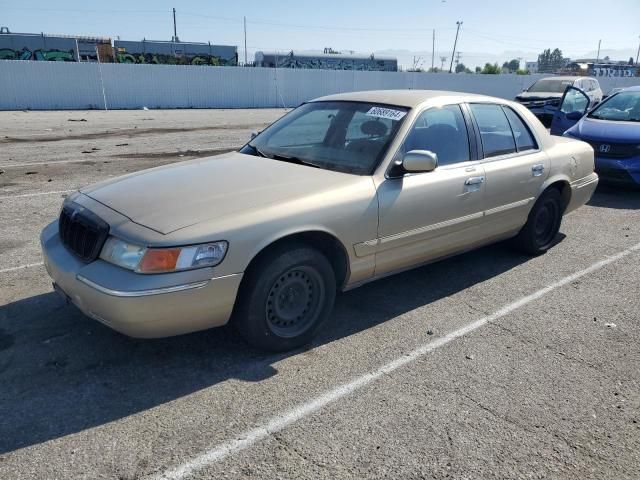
point(162, 260)
point(121, 253)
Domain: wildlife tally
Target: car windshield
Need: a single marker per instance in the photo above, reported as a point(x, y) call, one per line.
point(623, 107)
point(349, 137)
point(550, 86)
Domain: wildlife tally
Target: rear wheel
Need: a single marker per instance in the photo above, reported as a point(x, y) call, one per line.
point(288, 295)
point(543, 224)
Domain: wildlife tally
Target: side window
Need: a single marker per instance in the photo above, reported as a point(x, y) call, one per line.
point(443, 131)
point(522, 134)
point(495, 131)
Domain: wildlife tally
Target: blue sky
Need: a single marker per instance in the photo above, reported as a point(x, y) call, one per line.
point(493, 30)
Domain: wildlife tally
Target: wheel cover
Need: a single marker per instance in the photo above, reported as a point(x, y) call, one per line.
point(294, 301)
point(546, 222)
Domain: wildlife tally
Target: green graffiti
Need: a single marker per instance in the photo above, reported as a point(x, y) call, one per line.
point(55, 55)
point(9, 54)
point(164, 59)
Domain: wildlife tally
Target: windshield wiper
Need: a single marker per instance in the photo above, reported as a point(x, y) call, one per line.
point(296, 160)
point(259, 152)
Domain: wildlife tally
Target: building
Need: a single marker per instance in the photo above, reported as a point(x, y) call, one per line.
point(54, 48)
point(175, 53)
point(532, 67)
point(327, 60)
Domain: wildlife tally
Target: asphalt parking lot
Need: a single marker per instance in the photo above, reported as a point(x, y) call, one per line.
point(487, 365)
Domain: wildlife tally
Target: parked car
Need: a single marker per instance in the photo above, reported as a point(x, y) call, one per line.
point(543, 97)
point(612, 129)
point(613, 91)
point(341, 191)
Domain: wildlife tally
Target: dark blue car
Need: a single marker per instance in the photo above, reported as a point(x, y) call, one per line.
point(612, 128)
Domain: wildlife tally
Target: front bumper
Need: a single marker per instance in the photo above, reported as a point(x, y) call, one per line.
point(539, 109)
point(623, 171)
point(144, 306)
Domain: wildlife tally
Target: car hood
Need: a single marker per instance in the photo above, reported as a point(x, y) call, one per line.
point(603, 130)
point(168, 198)
point(538, 95)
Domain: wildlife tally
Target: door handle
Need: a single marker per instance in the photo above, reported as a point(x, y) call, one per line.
point(537, 170)
point(474, 181)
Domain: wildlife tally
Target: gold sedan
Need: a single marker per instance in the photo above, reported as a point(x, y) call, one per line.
point(341, 191)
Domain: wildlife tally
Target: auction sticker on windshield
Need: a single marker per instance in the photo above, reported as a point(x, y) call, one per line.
point(389, 113)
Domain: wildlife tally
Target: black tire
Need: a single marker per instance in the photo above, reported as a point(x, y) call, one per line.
point(539, 233)
point(287, 296)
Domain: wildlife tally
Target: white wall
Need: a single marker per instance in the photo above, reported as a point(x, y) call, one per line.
point(52, 85)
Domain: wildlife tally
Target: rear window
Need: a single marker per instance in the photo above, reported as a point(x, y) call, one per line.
point(521, 133)
point(495, 130)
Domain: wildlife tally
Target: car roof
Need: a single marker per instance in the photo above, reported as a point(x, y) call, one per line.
point(635, 88)
point(405, 98)
point(567, 77)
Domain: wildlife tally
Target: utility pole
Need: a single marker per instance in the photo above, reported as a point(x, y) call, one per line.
point(458, 60)
point(245, 41)
point(638, 54)
point(175, 31)
point(455, 43)
point(433, 49)
point(598, 55)
point(442, 60)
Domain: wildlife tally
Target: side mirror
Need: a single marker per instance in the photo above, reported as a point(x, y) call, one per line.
point(574, 115)
point(420, 161)
point(254, 134)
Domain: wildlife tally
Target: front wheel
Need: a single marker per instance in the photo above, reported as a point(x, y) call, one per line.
point(543, 224)
point(287, 297)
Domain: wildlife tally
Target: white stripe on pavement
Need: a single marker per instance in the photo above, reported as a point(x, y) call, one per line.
point(22, 267)
point(246, 439)
point(22, 195)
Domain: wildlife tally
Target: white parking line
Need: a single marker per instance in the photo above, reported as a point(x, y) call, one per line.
point(22, 195)
point(54, 162)
point(247, 438)
point(22, 267)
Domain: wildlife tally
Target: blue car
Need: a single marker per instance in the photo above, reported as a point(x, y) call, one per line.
point(612, 129)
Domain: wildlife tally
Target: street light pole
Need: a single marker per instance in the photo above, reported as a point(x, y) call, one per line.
point(638, 54)
point(245, 41)
point(455, 43)
point(433, 48)
point(175, 31)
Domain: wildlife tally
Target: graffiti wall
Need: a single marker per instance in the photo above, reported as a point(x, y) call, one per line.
point(608, 70)
point(37, 47)
point(326, 62)
point(175, 53)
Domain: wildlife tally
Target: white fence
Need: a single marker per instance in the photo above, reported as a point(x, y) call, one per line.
point(52, 85)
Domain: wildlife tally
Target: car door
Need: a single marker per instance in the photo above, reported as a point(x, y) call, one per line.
point(428, 215)
point(515, 167)
point(574, 105)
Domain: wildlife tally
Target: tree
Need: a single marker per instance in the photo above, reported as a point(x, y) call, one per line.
point(478, 70)
point(550, 61)
point(511, 65)
point(631, 62)
point(461, 68)
point(491, 69)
